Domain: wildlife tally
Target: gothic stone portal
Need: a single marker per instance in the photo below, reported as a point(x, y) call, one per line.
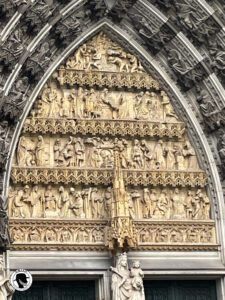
point(104, 161)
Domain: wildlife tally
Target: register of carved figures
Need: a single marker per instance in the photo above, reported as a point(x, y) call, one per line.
point(104, 162)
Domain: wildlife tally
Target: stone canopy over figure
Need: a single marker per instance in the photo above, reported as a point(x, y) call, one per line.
point(127, 285)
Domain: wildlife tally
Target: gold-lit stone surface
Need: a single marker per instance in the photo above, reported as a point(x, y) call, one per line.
point(103, 162)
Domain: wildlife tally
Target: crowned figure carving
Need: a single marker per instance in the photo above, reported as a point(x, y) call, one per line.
point(127, 284)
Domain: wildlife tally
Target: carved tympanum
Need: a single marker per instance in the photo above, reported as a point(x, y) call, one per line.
point(104, 161)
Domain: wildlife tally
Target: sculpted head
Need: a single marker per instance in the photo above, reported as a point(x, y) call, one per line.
point(122, 261)
point(136, 264)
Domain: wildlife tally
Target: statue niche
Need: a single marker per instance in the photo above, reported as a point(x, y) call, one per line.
point(103, 161)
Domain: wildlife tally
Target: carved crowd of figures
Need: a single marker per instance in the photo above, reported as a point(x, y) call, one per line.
point(66, 234)
point(104, 55)
point(34, 202)
point(92, 103)
point(96, 152)
point(96, 203)
point(79, 163)
point(95, 234)
point(173, 234)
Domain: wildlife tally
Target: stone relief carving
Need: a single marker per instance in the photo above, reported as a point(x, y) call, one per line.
point(103, 54)
point(6, 289)
point(190, 14)
point(12, 49)
point(16, 100)
point(92, 104)
point(127, 284)
point(67, 27)
point(96, 152)
point(103, 148)
point(5, 137)
point(37, 14)
point(175, 234)
point(96, 203)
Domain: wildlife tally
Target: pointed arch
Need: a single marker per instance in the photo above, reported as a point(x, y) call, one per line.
point(153, 67)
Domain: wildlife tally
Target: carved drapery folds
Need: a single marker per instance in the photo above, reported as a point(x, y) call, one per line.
point(103, 161)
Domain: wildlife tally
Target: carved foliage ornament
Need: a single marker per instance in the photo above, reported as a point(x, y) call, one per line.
point(103, 161)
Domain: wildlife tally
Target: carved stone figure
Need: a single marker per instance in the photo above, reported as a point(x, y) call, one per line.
point(5, 137)
point(35, 203)
point(35, 235)
point(178, 211)
point(108, 200)
point(206, 104)
point(148, 155)
point(25, 152)
point(96, 203)
point(159, 155)
point(21, 201)
point(90, 104)
point(221, 146)
point(58, 153)
point(161, 209)
point(40, 152)
point(201, 206)
point(131, 207)
point(122, 146)
point(6, 289)
point(189, 14)
point(121, 283)
point(66, 108)
point(170, 157)
point(50, 236)
point(168, 111)
point(126, 107)
point(137, 155)
point(66, 236)
point(153, 202)
point(147, 210)
point(125, 284)
point(68, 152)
point(189, 153)
point(141, 105)
point(77, 205)
point(50, 202)
point(82, 235)
point(176, 61)
point(79, 152)
point(64, 202)
point(79, 100)
point(188, 204)
point(179, 155)
point(137, 275)
point(197, 204)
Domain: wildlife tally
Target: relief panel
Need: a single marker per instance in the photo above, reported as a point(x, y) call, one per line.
point(104, 162)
